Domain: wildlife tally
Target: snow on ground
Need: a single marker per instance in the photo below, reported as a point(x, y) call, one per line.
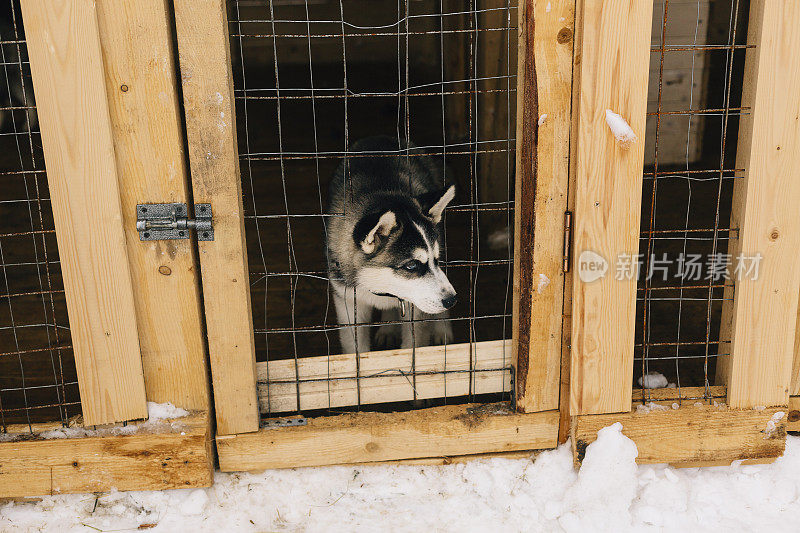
point(609, 493)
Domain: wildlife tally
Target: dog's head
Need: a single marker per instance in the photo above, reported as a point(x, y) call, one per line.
point(399, 240)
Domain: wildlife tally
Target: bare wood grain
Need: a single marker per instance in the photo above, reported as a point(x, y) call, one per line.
point(369, 437)
point(386, 376)
point(68, 79)
point(148, 140)
point(544, 95)
point(614, 56)
point(204, 53)
point(146, 461)
point(689, 434)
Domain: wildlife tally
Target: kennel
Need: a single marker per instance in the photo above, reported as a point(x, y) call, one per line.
point(510, 102)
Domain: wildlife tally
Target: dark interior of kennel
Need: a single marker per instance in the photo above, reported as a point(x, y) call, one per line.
point(37, 370)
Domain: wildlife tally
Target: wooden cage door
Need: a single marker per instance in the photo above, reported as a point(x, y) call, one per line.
point(112, 138)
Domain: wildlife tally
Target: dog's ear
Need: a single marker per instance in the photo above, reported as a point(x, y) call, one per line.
point(372, 228)
point(433, 203)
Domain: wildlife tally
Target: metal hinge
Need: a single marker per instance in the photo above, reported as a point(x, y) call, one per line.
point(156, 222)
point(567, 240)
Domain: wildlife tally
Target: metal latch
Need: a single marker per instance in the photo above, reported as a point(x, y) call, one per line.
point(157, 222)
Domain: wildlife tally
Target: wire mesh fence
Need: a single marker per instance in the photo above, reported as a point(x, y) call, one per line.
point(685, 272)
point(38, 380)
point(311, 78)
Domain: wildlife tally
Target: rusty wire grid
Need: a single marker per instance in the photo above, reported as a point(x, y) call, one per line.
point(694, 105)
point(311, 77)
point(38, 380)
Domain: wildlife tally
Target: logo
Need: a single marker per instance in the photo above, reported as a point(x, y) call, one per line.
point(591, 266)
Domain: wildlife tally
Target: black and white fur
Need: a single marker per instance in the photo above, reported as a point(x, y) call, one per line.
point(384, 245)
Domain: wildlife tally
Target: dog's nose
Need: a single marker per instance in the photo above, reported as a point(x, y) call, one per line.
point(449, 302)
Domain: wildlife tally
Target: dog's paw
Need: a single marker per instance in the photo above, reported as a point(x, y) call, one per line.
point(441, 333)
point(387, 337)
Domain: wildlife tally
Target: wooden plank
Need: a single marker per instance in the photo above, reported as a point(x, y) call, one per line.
point(68, 79)
point(544, 87)
point(692, 433)
point(204, 53)
point(179, 458)
point(614, 52)
point(457, 459)
point(673, 394)
point(763, 316)
point(148, 141)
point(369, 437)
point(794, 388)
point(386, 376)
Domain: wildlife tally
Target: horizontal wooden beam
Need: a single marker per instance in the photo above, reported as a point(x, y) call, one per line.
point(370, 437)
point(147, 461)
point(675, 394)
point(386, 376)
point(690, 433)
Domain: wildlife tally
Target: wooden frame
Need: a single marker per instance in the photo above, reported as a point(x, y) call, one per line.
point(762, 317)
point(205, 64)
point(112, 137)
point(204, 53)
point(96, 88)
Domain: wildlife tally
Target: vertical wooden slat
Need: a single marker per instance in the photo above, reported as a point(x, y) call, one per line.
point(544, 85)
point(68, 79)
point(614, 53)
point(205, 62)
point(764, 311)
point(148, 140)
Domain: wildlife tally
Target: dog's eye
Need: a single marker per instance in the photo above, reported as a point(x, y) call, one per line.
point(412, 266)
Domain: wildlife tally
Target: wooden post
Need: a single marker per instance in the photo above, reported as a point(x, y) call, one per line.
point(148, 138)
point(68, 79)
point(614, 56)
point(544, 85)
point(204, 52)
point(763, 314)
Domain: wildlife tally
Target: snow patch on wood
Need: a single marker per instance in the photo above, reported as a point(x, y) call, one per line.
point(620, 128)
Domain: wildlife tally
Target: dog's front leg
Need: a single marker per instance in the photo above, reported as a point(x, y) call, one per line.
point(426, 329)
point(347, 313)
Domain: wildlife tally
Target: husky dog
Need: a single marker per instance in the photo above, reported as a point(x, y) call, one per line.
point(384, 247)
